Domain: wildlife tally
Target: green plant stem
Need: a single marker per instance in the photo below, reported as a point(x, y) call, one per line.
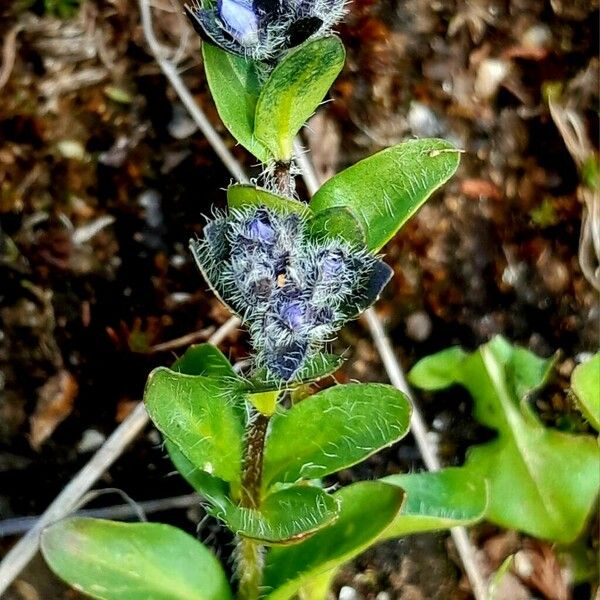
point(249, 557)
point(249, 553)
point(253, 460)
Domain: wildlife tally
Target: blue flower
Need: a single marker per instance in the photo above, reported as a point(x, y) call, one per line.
point(239, 21)
point(259, 228)
point(262, 29)
point(292, 291)
point(332, 264)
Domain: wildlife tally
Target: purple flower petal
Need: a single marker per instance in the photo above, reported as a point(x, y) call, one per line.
point(332, 264)
point(239, 20)
point(260, 229)
point(293, 314)
point(285, 360)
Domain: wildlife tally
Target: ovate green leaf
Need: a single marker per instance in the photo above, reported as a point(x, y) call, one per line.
point(384, 190)
point(542, 481)
point(366, 510)
point(198, 414)
point(284, 517)
point(294, 90)
point(438, 371)
point(585, 383)
point(235, 88)
point(133, 561)
point(438, 500)
point(334, 429)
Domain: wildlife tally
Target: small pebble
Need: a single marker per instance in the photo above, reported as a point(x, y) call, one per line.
point(177, 298)
point(383, 596)
point(583, 357)
point(491, 73)
point(178, 261)
point(418, 326)
point(442, 422)
point(154, 437)
point(72, 149)
point(91, 440)
point(423, 121)
point(150, 201)
point(348, 593)
point(523, 565)
point(537, 36)
point(181, 126)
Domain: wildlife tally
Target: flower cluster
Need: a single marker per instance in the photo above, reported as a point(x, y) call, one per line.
point(292, 290)
point(262, 29)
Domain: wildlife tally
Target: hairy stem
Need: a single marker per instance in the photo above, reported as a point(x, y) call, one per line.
point(282, 178)
point(253, 460)
point(249, 554)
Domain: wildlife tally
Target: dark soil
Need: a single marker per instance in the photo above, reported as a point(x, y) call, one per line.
point(93, 138)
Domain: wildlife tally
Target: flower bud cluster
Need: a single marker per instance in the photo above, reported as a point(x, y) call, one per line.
point(293, 291)
point(262, 29)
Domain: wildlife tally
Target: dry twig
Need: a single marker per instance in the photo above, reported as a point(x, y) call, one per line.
point(572, 129)
point(20, 525)
point(9, 52)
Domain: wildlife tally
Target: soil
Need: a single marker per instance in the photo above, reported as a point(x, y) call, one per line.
point(104, 178)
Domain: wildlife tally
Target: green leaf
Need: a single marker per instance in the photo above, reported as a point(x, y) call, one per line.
point(234, 85)
point(317, 367)
point(286, 516)
point(438, 371)
point(332, 430)
point(209, 487)
point(337, 222)
point(199, 415)
point(497, 578)
point(366, 510)
point(241, 195)
point(542, 481)
point(293, 91)
point(133, 561)
point(585, 383)
point(204, 359)
point(438, 500)
point(383, 191)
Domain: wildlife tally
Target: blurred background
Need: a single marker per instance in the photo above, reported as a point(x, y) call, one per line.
point(104, 178)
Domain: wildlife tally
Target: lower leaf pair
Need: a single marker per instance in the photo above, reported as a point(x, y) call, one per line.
point(124, 561)
point(203, 417)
